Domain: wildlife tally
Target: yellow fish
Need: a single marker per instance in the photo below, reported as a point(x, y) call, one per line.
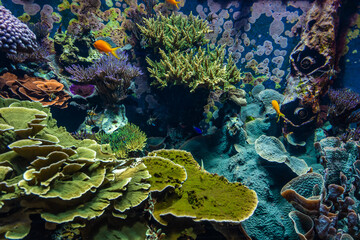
point(173, 2)
point(105, 47)
point(276, 106)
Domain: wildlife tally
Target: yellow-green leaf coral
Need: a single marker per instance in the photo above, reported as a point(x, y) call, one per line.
point(204, 196)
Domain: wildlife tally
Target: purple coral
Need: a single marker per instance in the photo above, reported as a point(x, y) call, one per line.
point(111, 76)
point(82, 90)
point(15, 36)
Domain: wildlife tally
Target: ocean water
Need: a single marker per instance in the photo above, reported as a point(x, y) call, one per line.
point(165, 119)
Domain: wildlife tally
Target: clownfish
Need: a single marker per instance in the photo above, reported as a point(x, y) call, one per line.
point(105, 47)
point(276, 106)
point(173, 2)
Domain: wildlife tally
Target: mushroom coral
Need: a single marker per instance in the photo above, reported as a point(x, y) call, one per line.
point(47, 92)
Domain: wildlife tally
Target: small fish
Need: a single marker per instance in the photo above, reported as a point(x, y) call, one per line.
point(276, 106)
point(197, 130)
point(173, 2)
point(105, 47)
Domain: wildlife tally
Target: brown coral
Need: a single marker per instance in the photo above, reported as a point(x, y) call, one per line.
point(47, 92)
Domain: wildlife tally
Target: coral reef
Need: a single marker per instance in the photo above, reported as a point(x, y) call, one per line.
point(175, 32)
point(343, 108)
point(71, 181)
point(85, 90)
point(313, 59)
point(47, 92)
point(111, 76)
point(74, 50)
point(15, 36)
point(193, 197)
point(272, 149)
point(125, 140)
point(194, 69)
point(328, 205)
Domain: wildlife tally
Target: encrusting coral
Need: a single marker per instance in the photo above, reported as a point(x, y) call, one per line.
point(47, 92)
point(44, 171)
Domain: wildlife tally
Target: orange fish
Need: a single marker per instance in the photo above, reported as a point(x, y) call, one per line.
point(276, 106)
point(173, 2)
point(105, 47)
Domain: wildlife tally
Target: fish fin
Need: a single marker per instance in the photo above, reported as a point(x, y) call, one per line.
point(113, 52)
point(280, 115)
point(176, 4)
point(106, 53)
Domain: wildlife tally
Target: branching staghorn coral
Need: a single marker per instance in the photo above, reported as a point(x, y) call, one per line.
point(111, 76)
point(176, 32)
point(197, 68)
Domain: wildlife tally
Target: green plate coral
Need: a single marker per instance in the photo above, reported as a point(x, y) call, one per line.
point(204, 196)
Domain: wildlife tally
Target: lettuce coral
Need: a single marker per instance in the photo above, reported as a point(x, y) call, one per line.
point(43, 172)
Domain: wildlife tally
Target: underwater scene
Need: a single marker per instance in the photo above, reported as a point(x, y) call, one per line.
point(179, 119)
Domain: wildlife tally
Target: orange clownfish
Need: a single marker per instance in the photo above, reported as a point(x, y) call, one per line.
point(173, 2)
point(105, 47)
point(276, 106)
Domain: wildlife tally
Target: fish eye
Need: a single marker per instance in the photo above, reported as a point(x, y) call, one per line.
point(307, 62)
point(300, 112)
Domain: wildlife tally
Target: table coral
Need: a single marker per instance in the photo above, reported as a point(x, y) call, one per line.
point(48, 92)
point(204, 196)
point(272, 149)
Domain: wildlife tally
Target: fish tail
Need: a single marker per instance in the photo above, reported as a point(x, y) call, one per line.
point(113, 52)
